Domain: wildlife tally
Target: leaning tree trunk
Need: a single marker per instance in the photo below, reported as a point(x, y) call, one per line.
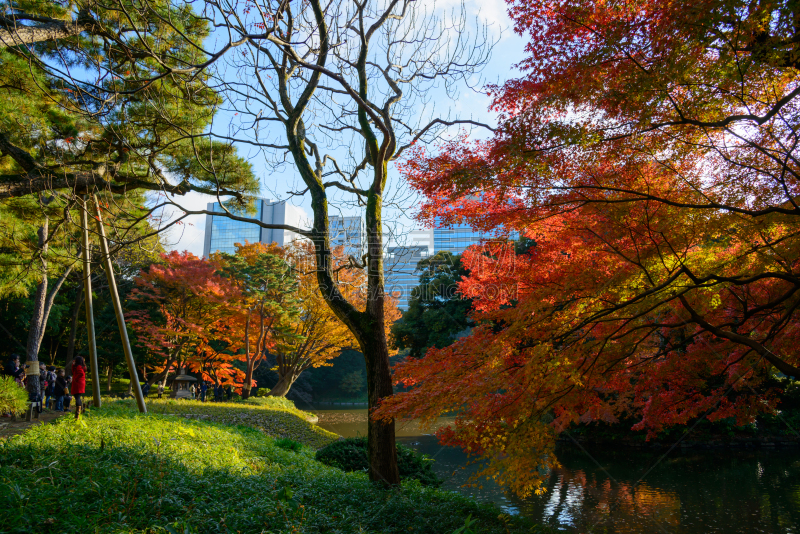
point(42, 304)
point(281, 389)
point(162, 376)
point(248, 378)
point(289, 369)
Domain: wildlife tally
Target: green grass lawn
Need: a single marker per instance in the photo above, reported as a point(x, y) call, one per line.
point(191, 467)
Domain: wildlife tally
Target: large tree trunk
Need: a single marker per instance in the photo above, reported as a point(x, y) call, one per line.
point(248, 378)
point(381, 440)
point(38, 324)
point(367, 326)
point(281, 389)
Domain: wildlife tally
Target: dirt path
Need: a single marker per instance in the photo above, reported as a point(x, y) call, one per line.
point(9, 428)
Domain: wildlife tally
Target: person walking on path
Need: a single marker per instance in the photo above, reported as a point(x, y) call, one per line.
point(60, 390)
point(78, 384)
point(50, 389)
point(15, 370)
point(42, 385)
point(160, 389)
point(203, 390)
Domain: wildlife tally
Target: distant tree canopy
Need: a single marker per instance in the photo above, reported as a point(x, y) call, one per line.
point(437, 311)
point(232, 318)
point(267, 304)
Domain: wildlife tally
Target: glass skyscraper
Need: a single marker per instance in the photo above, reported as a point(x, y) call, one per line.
point(223, 233)
point(348, 232)
point(457, 239)
point(401, 262)
point(400, 271)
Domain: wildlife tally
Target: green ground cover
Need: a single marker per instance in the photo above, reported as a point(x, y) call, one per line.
point(275, 416)
point(118, 471)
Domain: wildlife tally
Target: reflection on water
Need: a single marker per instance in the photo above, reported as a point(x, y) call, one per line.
point(621, 492)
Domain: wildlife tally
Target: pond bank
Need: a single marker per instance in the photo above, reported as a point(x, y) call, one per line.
point(615, 489)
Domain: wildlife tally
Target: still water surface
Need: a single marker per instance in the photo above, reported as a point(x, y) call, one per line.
point(687, 492)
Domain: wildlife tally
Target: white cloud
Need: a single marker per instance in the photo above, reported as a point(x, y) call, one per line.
point(492, 13)
point(189, 235)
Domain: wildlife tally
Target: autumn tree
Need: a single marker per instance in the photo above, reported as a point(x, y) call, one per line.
point(649, 155)
point(318, 335)
point(268, 304)
point(185, 304)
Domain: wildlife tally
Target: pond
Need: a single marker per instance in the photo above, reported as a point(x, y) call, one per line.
point(625, 491)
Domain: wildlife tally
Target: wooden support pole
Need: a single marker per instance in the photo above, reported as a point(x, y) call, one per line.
point(87, 289)
point(112, 287)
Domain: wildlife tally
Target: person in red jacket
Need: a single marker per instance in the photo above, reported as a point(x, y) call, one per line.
point(78, 384)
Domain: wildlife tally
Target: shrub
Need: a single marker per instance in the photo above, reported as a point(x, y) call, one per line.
point(288, 444)
point(13, 399)
point(351, 455)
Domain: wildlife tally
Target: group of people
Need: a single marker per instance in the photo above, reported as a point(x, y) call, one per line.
point(221, 394)
point(56, 390)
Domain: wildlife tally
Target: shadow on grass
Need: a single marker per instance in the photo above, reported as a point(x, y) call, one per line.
point(119, 471)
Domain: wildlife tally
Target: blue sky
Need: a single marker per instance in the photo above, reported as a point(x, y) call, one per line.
point(470, 104)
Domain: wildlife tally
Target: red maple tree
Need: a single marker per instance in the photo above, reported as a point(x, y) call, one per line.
point(648, 160)
point(187, 310)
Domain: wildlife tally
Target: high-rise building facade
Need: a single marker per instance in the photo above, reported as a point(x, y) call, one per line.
point(457, 239)
point(400, 262)
point(402, 276)
point(222, 233)
point(348, 232)
point(400, 271)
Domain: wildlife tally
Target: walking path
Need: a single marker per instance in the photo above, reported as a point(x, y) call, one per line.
point(9, 428)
